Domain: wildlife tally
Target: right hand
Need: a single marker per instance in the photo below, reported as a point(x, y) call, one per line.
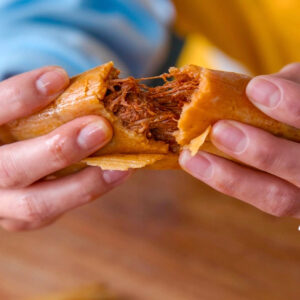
point(26, 200)
point(273, 182)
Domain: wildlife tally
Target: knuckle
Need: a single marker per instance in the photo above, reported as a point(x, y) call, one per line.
point(279, 202)
point(86, 195)
point(57, 146)
point(10, 173)
point(264, 156)
point(31, 209)
point(18, 105)
point(90, 187)
point(228, 185)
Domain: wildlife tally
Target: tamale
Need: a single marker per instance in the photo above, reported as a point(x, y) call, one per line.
point(151, 124)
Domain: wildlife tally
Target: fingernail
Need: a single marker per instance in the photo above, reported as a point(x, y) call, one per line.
point(263, 92)
point(94, 135)
point(114, 177)
point(52, 82)
point(198, 165)
point(226, 134)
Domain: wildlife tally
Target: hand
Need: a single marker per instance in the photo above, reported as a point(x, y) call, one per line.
point(275, 187)
point(26, 201)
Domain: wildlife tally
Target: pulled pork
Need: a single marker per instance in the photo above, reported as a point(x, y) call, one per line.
point(152, 111)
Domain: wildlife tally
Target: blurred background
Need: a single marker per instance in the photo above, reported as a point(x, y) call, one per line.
point(163, 235)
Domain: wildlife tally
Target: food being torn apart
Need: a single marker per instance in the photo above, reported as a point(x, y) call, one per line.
point(152, 111)
point(151, 124)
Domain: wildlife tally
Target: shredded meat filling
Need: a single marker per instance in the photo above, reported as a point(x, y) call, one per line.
point(152, 111)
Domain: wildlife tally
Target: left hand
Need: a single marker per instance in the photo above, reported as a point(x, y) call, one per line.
point(27, 201)
point(275, 186)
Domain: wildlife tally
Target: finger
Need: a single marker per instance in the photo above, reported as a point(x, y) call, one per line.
point(290, 72)
point(278, 98)
point(46, 200)
point(266, 192)
point(24, 162)
point(259, 149)
point(28, 92)
point(14, 225)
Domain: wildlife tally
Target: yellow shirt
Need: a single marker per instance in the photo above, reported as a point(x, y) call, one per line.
point(260, 35)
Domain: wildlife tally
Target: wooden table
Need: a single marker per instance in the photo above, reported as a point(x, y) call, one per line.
point(162, 236)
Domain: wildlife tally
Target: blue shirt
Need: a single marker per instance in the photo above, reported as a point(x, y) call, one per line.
point(80, 34)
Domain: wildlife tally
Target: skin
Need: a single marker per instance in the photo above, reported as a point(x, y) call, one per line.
point(274, 186)
point(27, 201)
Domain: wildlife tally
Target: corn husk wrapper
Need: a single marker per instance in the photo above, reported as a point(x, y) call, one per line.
point(220, 95)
